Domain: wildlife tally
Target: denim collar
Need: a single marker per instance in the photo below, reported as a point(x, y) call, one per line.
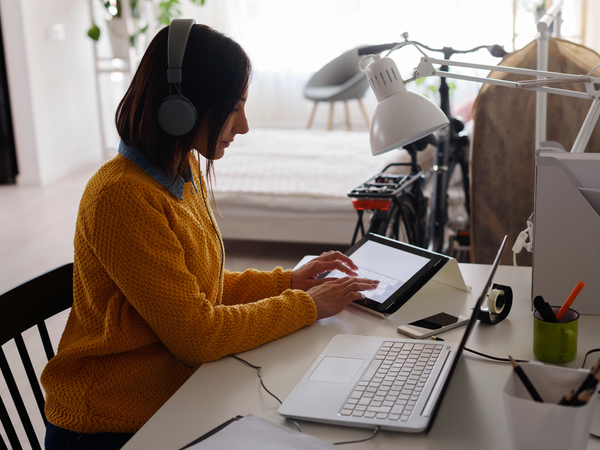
point(172, 184)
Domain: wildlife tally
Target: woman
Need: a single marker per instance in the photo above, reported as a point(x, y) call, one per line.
point(152, 301)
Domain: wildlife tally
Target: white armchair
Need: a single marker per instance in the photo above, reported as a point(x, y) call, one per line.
point(338, 80)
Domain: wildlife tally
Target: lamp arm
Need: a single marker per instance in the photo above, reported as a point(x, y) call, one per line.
point(510, 84)
point(515, 70)
point(426, 69)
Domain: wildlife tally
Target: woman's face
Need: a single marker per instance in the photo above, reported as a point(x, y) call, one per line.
point(236, 124)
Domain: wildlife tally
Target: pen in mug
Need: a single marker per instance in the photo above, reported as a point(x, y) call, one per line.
point(570, 299)
point(544, 309)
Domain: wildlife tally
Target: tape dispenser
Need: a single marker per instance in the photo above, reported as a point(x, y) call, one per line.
point(499, 302)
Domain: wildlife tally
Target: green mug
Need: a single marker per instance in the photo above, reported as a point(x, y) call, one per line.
point(555, 342)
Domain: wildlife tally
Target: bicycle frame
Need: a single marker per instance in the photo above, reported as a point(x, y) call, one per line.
point(452, 149)
point(393, 198)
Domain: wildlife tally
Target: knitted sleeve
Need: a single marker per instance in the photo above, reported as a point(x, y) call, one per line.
point(271, 283)
point(136, 240)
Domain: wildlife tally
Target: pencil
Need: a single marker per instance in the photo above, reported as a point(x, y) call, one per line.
point(521, 374)
point(591, 380)
point(568, 398)
point(570, 299)
point(584, 397)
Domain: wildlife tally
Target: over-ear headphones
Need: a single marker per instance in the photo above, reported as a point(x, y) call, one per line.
point(499, 302)
point(177, 115)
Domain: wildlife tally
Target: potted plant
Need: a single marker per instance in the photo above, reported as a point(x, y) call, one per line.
point(121, 40)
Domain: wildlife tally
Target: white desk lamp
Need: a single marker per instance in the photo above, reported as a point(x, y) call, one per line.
point(402, 116)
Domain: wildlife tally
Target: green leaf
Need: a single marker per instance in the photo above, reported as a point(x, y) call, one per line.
point(94, 32)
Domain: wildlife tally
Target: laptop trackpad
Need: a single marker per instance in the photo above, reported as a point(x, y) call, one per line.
point(333, 369)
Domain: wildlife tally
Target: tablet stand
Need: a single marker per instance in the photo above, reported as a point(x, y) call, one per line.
point(450, 275)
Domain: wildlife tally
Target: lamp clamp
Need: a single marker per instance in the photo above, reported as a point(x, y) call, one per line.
point(424, 69)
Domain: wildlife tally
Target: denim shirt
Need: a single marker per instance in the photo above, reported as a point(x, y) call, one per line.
point(174, 186)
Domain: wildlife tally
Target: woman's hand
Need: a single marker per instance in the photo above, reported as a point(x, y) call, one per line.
point(331, 295)
point(305, 277)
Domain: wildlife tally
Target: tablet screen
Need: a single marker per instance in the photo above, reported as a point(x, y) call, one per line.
point(390, 265)
point(402, 270)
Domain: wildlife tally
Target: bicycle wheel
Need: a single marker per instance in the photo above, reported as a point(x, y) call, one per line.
point(379, 222)
point(406, 220)
point(414, 217)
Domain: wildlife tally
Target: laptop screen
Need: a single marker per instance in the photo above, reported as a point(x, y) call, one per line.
point(469, 328)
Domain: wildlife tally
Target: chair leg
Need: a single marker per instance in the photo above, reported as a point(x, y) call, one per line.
point(312, 116)
point(330, 126)
point(364, 112)
point(347, 112)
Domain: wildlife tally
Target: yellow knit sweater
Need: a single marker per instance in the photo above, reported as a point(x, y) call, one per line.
point(146, 283)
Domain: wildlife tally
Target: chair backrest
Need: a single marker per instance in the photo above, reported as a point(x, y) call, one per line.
point(337, 71)
point(21, 308)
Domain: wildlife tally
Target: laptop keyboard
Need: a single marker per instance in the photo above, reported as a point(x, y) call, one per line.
point(391, 385)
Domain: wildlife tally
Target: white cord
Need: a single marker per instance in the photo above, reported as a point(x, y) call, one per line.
point(396, 47)
point(524, 240)
point(592, 71)
point(402, 44)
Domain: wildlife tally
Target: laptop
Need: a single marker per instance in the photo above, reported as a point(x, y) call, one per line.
point(366, 381)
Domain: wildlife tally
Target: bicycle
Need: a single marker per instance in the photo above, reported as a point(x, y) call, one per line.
point(397, 202)
point(452, 149)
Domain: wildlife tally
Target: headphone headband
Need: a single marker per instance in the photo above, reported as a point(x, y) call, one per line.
point(177, 115)
point(179, 31)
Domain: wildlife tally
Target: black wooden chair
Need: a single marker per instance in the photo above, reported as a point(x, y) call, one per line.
point(21, 308)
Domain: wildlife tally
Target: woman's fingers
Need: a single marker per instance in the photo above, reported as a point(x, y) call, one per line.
point(329, 266)
point(338, 256)
point(345, 280)
point(305, 277)
point(332, 297)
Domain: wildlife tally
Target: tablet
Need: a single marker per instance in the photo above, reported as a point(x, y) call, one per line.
point(401, 268)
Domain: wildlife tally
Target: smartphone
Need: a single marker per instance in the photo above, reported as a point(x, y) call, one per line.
point(432, 325)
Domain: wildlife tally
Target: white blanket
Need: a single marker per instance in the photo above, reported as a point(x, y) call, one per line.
point(292, 185)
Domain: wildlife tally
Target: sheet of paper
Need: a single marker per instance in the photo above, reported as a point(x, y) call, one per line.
point(583, 167)
point(252, 432)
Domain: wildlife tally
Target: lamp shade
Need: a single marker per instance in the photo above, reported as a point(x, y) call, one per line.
point(401, 116)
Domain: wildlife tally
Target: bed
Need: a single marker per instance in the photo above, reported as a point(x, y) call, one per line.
point(290, 185)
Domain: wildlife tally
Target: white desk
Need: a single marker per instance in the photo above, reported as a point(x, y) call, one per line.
point(472, 412)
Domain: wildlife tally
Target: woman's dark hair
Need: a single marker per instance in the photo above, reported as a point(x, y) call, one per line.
point(215, 76)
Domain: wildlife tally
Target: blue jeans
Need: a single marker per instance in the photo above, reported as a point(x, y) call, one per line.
point(61, 439)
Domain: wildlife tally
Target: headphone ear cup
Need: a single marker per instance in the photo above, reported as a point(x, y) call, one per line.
point(176, 115)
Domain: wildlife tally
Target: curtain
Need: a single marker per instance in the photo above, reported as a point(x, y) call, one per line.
point(290, 40)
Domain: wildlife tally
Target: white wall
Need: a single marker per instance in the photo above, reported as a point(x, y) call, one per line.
point(52, 87)
point(592, 38)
